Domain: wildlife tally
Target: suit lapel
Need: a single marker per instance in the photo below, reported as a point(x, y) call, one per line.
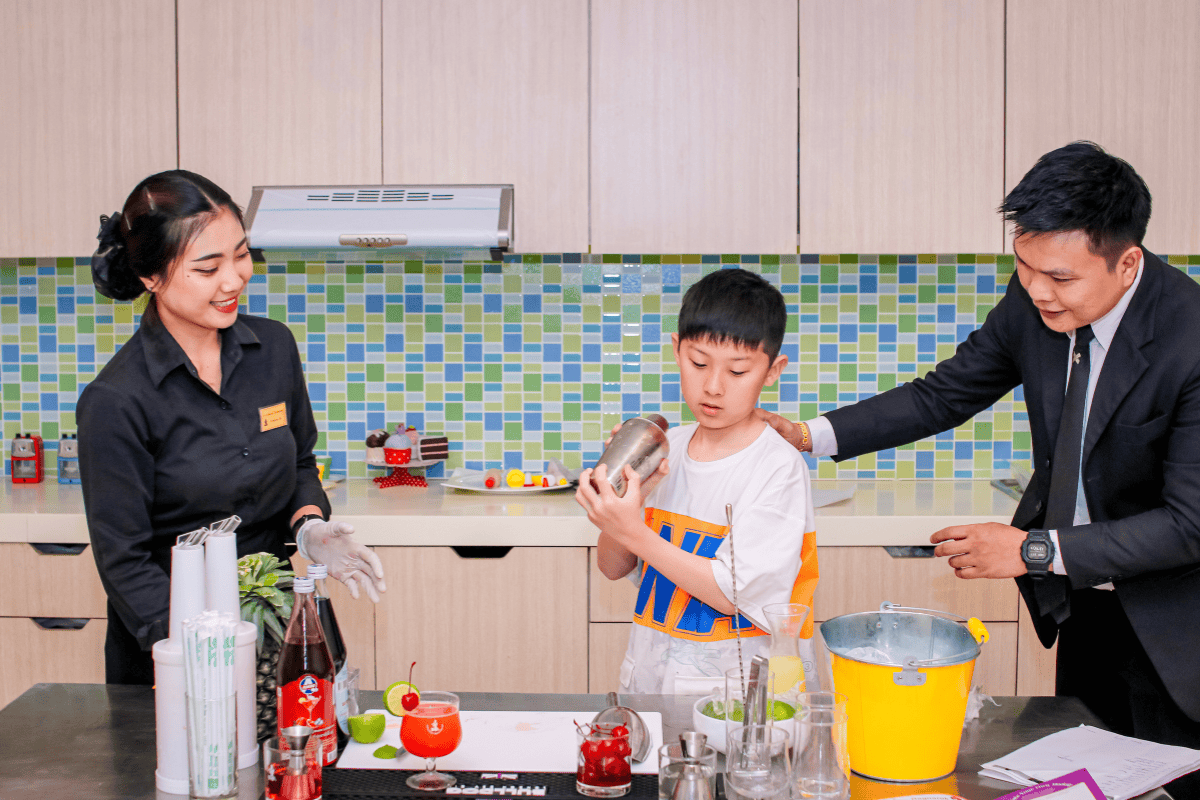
point(1124, 363)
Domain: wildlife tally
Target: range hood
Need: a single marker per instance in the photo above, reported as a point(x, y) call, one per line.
point(412, 221)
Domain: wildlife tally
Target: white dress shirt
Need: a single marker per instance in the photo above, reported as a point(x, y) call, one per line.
point(824, 440)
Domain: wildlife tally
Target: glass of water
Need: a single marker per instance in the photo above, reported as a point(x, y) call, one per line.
point(758, 761)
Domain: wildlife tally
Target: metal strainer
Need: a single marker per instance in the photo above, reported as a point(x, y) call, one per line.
point(617, 714)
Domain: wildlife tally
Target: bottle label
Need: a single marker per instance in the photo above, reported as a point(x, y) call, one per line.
point(341, 699)
point(308, 701)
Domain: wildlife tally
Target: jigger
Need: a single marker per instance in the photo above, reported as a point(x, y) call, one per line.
point(691, 743)
point(692, 785)
point(297, 784)
point(296, 738)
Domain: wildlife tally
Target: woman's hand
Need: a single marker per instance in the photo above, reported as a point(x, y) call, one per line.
point(332, 544)
point(791, 431)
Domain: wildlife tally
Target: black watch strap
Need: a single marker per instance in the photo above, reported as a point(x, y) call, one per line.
point(298, 524)
point(1037, 551)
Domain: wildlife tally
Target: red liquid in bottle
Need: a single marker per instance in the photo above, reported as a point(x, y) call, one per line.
point(306, 675)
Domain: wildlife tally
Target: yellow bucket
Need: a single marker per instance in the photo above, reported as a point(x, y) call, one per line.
point(906, 674)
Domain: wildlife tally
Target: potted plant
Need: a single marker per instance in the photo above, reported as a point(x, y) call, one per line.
point(264, 589)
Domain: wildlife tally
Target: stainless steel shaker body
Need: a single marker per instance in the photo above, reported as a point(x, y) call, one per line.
point(641, 443)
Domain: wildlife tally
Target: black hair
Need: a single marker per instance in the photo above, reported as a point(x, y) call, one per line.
point(734, 305)
point(1080, 187)
point(160, 218)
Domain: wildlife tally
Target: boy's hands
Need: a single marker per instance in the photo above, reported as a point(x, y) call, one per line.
point(620, 517)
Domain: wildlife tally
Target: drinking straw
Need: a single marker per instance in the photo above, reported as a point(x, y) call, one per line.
point(209, 643)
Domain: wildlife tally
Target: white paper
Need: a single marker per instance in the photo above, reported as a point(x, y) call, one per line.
point(827, 497)
point(1123, 767)
point(502, 741)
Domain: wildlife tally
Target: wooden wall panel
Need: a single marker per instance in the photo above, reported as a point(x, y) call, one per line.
point(493, 91)
point(1123, 74)
point(280, 92)
point(87, 114)
point(693, 126)
point(901, 126)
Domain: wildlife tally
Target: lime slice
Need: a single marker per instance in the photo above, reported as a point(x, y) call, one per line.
point(367, 728)
point(781, 710)
point(394, 694)
point(387, 751)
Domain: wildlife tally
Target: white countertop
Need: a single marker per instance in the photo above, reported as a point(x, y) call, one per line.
point(880, 513)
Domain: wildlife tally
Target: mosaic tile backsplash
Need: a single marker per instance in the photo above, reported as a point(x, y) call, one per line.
point(539, 356)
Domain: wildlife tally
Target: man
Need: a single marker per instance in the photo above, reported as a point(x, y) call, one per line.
point(1105, 543)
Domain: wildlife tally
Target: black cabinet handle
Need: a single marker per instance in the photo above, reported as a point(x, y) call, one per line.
point(60, 623)
point(481, 551)
point(911, 552)
point(58, 549)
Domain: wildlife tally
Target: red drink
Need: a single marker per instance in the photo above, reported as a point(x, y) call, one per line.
point(305, 692)
point(281, 786)
point(431, 730)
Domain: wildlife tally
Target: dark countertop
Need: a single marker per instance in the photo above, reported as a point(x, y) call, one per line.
point(97, 741)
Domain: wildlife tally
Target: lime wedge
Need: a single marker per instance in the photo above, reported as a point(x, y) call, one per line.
point(394, 694)
point(387, 751)
point(367, 728)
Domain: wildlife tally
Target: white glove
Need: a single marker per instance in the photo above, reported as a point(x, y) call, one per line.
point(332, 544)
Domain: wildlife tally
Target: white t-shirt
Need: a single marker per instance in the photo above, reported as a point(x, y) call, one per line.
point(680, 645)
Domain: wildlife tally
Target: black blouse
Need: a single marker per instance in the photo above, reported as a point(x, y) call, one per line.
point(161, 453)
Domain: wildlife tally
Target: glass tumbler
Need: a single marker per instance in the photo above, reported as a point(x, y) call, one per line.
point(284, 777)
point(731, 705)
point(605, 766)
point(758, 761)
point(671, 762)
point(821, 767)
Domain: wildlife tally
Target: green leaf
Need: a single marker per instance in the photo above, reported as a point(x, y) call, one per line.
point(273, 626)
point(269, 580)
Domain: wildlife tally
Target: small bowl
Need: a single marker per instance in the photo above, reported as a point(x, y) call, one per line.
point(714, 729)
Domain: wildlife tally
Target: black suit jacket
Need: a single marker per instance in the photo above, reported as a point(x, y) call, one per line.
point(1141, 453)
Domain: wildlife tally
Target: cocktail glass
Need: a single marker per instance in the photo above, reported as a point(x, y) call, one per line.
point(429, 731)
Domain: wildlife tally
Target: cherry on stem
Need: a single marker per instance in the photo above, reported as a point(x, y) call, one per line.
point(411, 700)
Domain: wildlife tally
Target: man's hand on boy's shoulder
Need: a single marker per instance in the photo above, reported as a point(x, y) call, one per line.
point(790, 431)
point(619, 517)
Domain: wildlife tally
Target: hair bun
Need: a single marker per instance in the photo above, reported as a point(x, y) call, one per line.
point(110, 273)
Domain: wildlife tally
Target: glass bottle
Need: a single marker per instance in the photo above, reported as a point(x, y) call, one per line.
point(305, 686)
point(337, 649)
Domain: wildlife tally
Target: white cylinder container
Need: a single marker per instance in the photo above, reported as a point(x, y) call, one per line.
point(170, 717)
point(220, 572)
point(245, 664)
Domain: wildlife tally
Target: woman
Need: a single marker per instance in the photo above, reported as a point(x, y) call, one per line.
point(202, 414)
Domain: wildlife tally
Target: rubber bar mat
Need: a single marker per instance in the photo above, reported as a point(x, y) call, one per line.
point(372, 784)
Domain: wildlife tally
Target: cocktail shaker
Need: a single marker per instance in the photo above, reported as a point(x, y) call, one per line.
point(640, 443)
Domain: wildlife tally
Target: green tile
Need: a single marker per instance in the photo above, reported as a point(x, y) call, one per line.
point(532, 382)
point(493, 373)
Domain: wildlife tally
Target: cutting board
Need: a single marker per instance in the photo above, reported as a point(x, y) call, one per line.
point(502, 741)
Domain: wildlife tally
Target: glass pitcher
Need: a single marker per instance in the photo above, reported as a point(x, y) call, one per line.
point(787, 661)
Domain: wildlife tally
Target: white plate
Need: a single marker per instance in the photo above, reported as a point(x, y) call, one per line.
point(474, 483)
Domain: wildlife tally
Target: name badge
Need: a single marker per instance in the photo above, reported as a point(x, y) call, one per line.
point(272, 417)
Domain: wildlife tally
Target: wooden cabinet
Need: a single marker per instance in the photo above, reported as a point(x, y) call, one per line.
point(283, 92)
point(511, 624)
point(88, 100)
point(855, 579)
point(52, 618)
point(1124, 75)
point(693, 139)
point(901, 126)
point(30, 653)
point(493, 91)
point(607, 642)
point(1035, 664)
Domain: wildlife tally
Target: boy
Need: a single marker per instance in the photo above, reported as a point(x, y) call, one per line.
point(677, 550)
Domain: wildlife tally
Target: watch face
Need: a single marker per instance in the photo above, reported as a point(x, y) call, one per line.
point(1037, 551)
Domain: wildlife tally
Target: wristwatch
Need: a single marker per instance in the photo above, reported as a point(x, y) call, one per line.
point(1037, 551)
